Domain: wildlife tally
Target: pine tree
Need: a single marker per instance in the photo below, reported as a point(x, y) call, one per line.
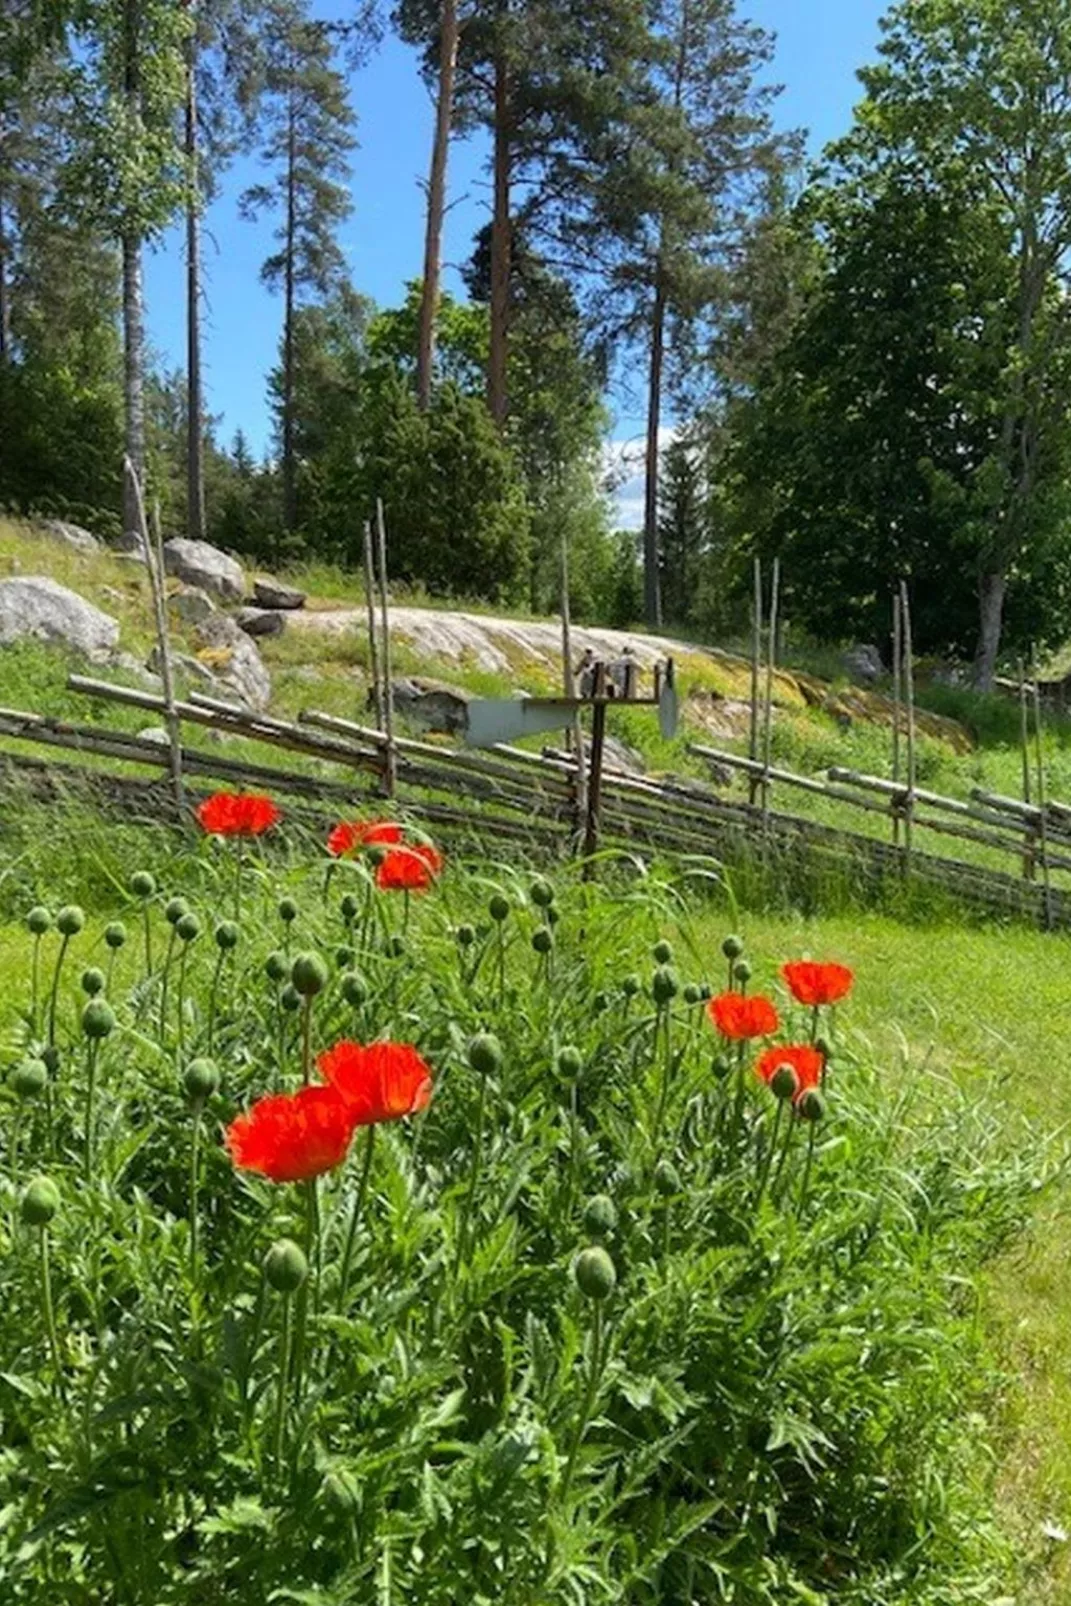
point(681, 528)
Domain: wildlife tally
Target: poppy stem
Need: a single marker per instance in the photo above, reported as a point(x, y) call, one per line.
point(148, 940)
point(55, 991)
point(312, 1255)
point(169, 956)
point(195, 1142)
point(281, 1388)
point(738, 1102)
point(781, 1162)
point(501, 965)
point(280, 1015)
point(663, 1028)
point(477, 1168)
point(594, 1374)
point(213, 990)
point(50, 1314)
point(355, 1218)
point(91, 1084)
point(16, 1135)
point(306, 1040)
point(35, 983)
point(238, 857)
point(764, 1175)
point(805, 1185)
point(814, 1025)
point(182, 1000)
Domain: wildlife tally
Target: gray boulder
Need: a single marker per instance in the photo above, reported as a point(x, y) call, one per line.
point(154, 733)
point(863, 664)
point(234, 660)
point(34, 606)
point(130, 545)
point(432, 705)
point(260, 621)
point(191, 604)
point(198, 563)
point(619, 755)
point(183, 664)
point(71, 535)
point(268, 593)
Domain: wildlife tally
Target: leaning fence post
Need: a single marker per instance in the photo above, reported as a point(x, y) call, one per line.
point(756, 655)
point(771, 653)
point(391, 769)
point(1043, 821)
point(154, 562)
point(909, 686)
point(370, 599)
point(897, 678)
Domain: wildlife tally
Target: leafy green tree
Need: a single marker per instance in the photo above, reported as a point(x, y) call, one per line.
point(682, 531)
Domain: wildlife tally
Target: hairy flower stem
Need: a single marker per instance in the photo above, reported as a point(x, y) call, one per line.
point(501, 966)
point(169, 956)
point(55, 991)
point(182, 1000)
point(148, 941)
point(50, 1314)
point(738, 1102)
point(329, 875)
point(306, 1041)
point(91, 1087)
point(764, 1175)
point(814, 1025)
point(789, 1135)
point(239, 855)
point(311, 1248)
point(281, 1385)
point(663, 1027)
point(594, 1375)
point(195, 1226)
point(355, 1219)
point(280, 1018)
point(477, 1169)
point(212, 993)
point(35, 983)
point(16, 1136)
point(806, 1183)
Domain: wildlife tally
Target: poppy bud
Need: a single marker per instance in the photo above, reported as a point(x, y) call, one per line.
point(541, 893)
point(226, 935)
point(50, 1059)
point(200, 1081)
point(485, 1054)
point(98, 1019)
point(354, 989)
point(600, 1216)
point(784, 1083)
point(142, 884)
point(570, 1063)
point(705, 991)
point(595, 1275)
point(39, 920)
point(375, 853)
point(188, 928)
point(174, 910)
point(115, 935)
point(733, 947)
point(663, 952)
point(631, 985)
point(721, 1068)
point(276, 967)
point(542, 941)
point(349, 907)
point(92, 981)
point(309, 975)
point(554, 914)
point(396, 945)
point(498, 907)
point(466, 936)
point(664, 985)
point(667, 1179)
point(285, 1266)
point(287, 911)
point(40, 1201)
point(290, 998)
point(342, 1491)
point(811, 1105)
point(70, 920)
point(742, 972)
point(29, 1079)
point(692, 995)
point(344, 958)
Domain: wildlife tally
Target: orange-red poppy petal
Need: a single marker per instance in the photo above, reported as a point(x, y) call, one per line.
point(290, 1137)
point(739, 1018)
point(814, 984)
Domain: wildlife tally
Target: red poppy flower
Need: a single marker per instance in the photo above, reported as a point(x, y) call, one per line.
point(351, 834)
point(238, 814)
point(738, 1017)
point(382, 1082)
point(409, 869)
point(807, 1062)
point(290, 1137)
point(814, 984)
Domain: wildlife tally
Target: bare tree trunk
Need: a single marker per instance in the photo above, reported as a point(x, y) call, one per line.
point(289, 468)
point(501, 246)
point(195, 471)
point(990, 622)
point(133, 371)
point(429, 304)
point(652, 589)
point(5, 302)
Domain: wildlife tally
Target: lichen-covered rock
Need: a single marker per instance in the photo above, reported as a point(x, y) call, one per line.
point(431, 704)
point(192, 604)
point(72, 535)
point(34, 606)
point(268, 593)
point(230, 654)
point(259, 621)
point(198, 563)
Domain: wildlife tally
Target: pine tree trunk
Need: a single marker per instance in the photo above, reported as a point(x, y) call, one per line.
point(501, 246)
point(990, 624)
point(5, 303)
point(289, 467)
point(133, 371)
point(429, 303)
point(195, 473)
point(652, 590)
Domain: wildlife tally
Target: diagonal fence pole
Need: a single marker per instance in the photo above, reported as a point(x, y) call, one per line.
point(154, 561)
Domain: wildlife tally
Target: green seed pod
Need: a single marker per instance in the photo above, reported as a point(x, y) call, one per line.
point(290, 998)
point(201, 1081)
point(631, 985)
point(570, 1063)
point(722, 1068)
point(98, 1019)
point(541, 893)
point(664, 985)
point(663, 952)
point(498, 908)
point(39, 920)
point(553, 914)
point(92, 981)
point(142, 884)
point(50, 1059)
point(375, 853)
point(350, 907)
point(600, 1216)
point(742, 972)
point(275, 967)
point(285, 1266)
point(733, 947)
point(287, 911)
point(70, 920)
point(29, 1080)
point(39, 1203)
point(667, 1179)
point(354, 989)
point(341, 1491)
point(188, 928)
point(784, 1083)
point(174, 909)
point(309, 975)
point(706, 991)
point(595, 1275)
point(226, 935)
point(115, 935)
point(811, 1106)
point(344, 958)
point(485, 1054)
point(692, 995)
point(466, 936)
point(542, 941)
point(396, 945)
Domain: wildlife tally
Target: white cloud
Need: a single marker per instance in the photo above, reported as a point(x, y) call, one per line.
point(624, 468)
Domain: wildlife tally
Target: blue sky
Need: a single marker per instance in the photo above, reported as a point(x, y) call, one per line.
point(820, 44)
